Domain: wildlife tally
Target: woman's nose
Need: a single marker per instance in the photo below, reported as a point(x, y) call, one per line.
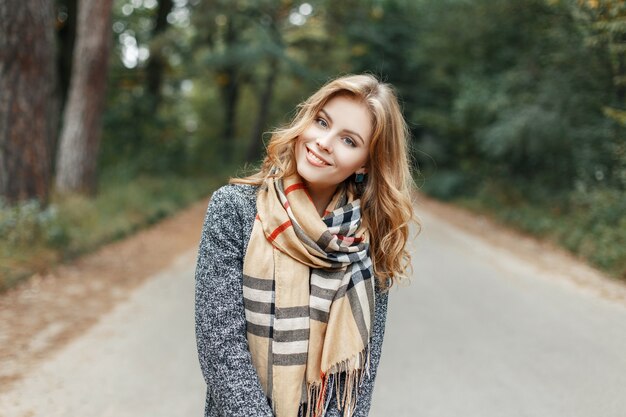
point(324, 143)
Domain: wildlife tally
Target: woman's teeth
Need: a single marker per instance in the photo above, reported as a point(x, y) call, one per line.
point(315, 158)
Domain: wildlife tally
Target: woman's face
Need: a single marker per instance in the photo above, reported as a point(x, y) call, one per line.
point(336, 144)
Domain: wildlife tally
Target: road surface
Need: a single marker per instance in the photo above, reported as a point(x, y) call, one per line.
point(480, 332)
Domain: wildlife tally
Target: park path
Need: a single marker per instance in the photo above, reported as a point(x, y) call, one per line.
point(484, 330)
point(138, 361)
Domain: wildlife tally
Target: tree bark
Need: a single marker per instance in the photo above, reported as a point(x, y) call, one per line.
point(80, 135)
point(28, 105)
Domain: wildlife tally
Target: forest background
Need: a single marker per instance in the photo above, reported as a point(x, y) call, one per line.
point(116, 113)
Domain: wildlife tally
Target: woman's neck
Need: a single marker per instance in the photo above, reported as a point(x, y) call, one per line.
point(321, 197)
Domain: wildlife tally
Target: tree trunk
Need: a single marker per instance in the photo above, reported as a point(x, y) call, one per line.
point(28, 105)
point(228, 79)
point(156, 62)
point(66, 35)
point(230, 95)
point(620, 73)
point(80, 135)
point(265, 100)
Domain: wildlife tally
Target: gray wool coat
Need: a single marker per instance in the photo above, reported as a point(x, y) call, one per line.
point(233, 388)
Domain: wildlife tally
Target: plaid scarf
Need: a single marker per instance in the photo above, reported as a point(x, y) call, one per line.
point(309, 299)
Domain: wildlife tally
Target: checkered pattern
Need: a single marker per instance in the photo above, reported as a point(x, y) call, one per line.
point(309, 297)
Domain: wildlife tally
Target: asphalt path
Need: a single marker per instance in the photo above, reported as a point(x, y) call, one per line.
point(139, 360)
point(479, 332)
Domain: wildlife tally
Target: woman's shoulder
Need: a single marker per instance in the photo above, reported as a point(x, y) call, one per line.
point(245, 191)
point(234, 197)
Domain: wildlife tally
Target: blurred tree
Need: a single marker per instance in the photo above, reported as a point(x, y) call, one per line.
point(245, 47)
point(381, 36)
point(157, 61)
point(606, 30)
point(66, 13)
point(272, 19)
point(255, 149)
point(607, 19)
point(28, 105)
point(491, 88)
point(80, 135)
point(221, 26)
point(141, 133)
point(229, 80)
point(509, 90)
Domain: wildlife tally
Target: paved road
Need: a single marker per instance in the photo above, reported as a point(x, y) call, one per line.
point(138, 361)
point(478, 333)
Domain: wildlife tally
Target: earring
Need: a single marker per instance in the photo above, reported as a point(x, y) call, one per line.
point(359, 177)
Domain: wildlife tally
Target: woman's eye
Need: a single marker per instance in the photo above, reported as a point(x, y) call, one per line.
point(348, 141)
point(322, 122)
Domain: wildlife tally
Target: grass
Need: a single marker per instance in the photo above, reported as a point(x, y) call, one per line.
point(589, 223)
point(34, 238)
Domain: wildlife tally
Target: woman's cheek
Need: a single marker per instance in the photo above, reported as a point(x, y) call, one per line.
point(315, 130)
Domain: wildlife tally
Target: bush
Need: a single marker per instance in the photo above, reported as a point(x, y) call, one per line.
point(35, 237)
point(446, 185)
point(589, 223)
point(26, 223)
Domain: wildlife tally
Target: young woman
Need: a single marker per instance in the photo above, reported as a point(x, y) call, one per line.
point(295, 260)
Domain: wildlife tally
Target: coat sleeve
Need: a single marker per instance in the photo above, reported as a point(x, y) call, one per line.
point(232, 381)
point(378, 333)
point(367, 386)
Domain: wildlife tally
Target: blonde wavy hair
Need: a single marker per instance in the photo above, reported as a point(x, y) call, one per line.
point(386, 195)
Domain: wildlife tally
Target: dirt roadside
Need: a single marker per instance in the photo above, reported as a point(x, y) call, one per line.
point(42, 315)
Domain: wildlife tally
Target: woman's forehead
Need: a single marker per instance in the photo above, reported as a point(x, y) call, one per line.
point(349, 113)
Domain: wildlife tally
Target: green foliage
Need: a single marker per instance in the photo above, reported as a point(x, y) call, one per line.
point(37, 237)
point(516, 106)
point(121, 208)
point(217, 61)
point(446, 185)
point(518, 94)
point(591, 224)
point(517, 109)
point(137, 138)
point(27, 223)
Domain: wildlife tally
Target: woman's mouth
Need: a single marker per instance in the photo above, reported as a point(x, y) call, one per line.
point(315, 160)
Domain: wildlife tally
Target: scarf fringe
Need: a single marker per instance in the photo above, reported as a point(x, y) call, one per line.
point(345, 378)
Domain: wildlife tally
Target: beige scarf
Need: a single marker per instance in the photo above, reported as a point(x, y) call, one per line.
point(309, 298)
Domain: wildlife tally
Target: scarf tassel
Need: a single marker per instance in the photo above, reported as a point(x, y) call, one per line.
point(342, 378)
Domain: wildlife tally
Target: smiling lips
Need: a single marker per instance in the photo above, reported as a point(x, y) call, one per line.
point(314, 159)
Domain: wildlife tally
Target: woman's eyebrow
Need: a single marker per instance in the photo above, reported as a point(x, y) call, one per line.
point(352, 132)
point(326, 115)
